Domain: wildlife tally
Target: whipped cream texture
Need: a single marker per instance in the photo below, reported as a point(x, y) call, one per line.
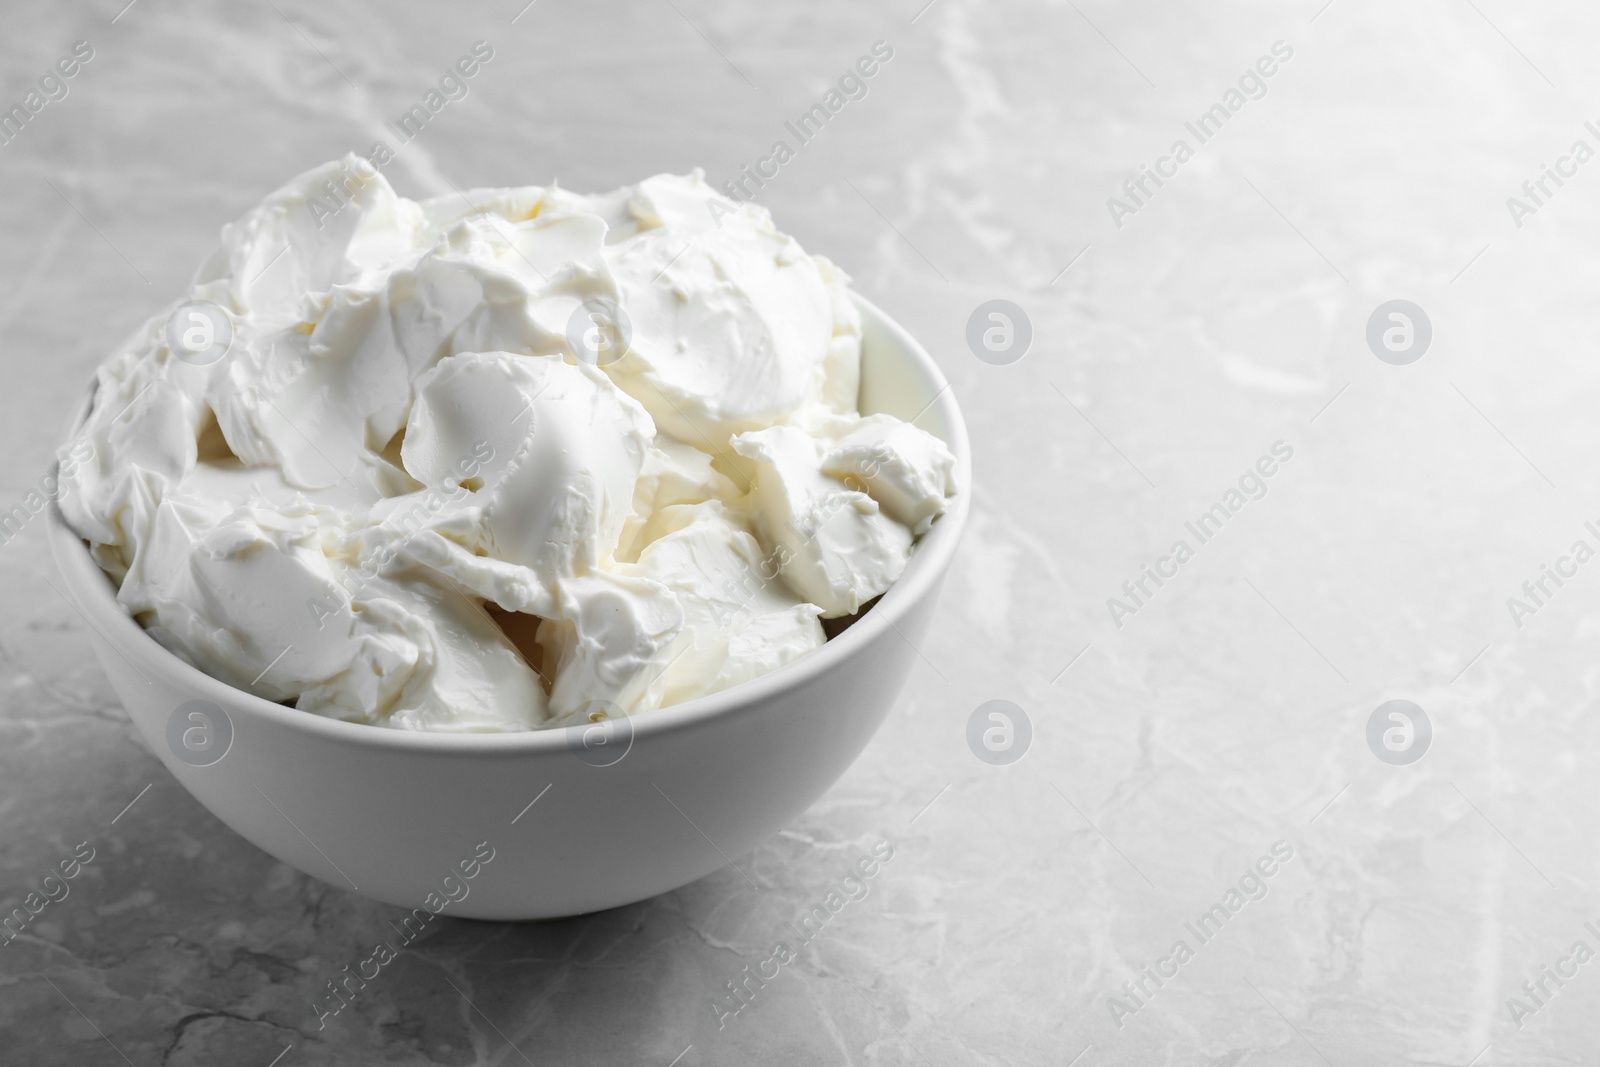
point(502, 460)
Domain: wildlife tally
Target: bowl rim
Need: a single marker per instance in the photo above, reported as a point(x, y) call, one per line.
point(95, 599)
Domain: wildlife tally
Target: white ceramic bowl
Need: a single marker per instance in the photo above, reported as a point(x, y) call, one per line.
point(391, 814)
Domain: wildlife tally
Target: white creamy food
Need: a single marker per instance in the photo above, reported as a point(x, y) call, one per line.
point(426, 488)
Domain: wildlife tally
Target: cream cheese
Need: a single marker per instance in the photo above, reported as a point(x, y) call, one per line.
point(409, 438)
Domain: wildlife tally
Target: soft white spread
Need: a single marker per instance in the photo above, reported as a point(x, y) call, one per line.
point(414, 493)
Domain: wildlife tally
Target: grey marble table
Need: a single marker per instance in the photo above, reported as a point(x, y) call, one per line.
point(1417, 911)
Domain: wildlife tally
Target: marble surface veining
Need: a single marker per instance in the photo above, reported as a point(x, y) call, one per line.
point(1427, 913)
